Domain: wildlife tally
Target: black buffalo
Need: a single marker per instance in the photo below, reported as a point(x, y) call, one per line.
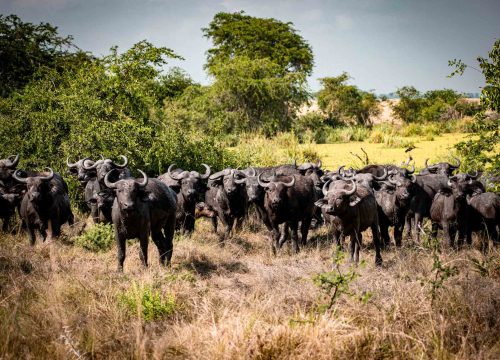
point(289, 200)
point(189, 186)
point(393, 200)
point(449, 212)
point(227, 198)
point(45, 206)
point(8, 205)
point(97, 195)
point(355, 211)
point(140, 209)
point(442, 168)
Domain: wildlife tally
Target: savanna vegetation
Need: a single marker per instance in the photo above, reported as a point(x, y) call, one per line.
point(64, 300)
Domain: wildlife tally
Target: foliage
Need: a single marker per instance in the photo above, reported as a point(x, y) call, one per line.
point(433, 106)
point(346, 103)
point(254, 96)
point(334, 284)
point(98, 238)
point(480, 151)
point(148, 303)
point(25, 48)
point(237, 34)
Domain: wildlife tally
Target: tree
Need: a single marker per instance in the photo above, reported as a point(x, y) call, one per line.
point(259, 67)
point(237, 34)
point(480, 151)
point(25, 48)
point(346, 103)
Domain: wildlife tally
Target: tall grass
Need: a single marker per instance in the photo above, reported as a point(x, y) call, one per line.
point(240, 302)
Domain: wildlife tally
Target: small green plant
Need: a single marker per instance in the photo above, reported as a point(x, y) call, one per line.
point(334, 284)
point(442, 271)
point(99, 238)
point(148, 303)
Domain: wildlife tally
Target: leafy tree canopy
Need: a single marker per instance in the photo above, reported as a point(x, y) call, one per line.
point(25, 48)
point(346, 103)
point(238, 34)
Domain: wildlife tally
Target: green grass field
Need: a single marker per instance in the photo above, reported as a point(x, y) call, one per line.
point(334, 155)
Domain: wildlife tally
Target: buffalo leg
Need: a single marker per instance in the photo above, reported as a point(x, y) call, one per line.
point(384, 232)
point(408, 219)
point(214, 223)
point(398, 234)
point(376, 242)
point(447, 237)
point(294, 235)
point(304, 230)
point(275, 238)
point(354, 246)
point(284, 236)
point(31, 233)
point(143, 242)
point(169, 230)
point(121, 243)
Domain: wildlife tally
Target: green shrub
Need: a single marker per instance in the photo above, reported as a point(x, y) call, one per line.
point(148, 303)
point(99, 238)
point(397, 142)
point(347, 134)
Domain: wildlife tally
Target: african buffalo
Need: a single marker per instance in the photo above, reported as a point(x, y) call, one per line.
point(290, 200)
point(442, 168)
point(140, 209)
point(355, 210)
point(189, 187)
point(227, 198)
point(45, 206)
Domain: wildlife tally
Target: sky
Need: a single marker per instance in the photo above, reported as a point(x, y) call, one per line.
point(382, 44)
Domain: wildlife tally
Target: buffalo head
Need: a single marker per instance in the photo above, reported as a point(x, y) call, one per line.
point(227, 178)
point(276, 189)
point(36, 186)
point(7, 166)
point(128, 191)
point(338, 199)
point(190, 182)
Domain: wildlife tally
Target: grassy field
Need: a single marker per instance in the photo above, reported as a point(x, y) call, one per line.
point(334, 155)
point(58, 301)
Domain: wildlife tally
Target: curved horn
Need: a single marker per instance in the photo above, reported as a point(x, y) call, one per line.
point(340, 170)
point(383, 177)
point(144, 181)
point(475, 176)
point(91, 167)
point(240, 181)
point(413, 178)
point(219, 174)
point(409, 172)
point(207, 172)
point(392, 181)
point(319, 163)
point(108, 183)
point(458, 162)
point(19, 179)
point(125, 162)
point(426, 164)
point(353, 190)
point(261, 182)
point(324, 189)
point(69, 164)
point(174, 176)
point(47, 177)
point(12, 163)
point(291, 183)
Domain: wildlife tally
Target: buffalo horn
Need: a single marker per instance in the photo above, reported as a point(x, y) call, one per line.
point(207, 172)
point(121, 166)
point(12, 163)
point(19, 179)
point(144, 181)
point(108, 183)
point(47, 177)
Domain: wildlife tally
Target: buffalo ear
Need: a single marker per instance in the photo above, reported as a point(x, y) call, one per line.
point(354, 200)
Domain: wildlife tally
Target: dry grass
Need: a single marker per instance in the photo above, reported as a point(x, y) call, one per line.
point(58, 301)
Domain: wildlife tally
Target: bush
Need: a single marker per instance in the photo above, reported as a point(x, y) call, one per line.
point(347, 134)
point(147, 303)
point(99, 238)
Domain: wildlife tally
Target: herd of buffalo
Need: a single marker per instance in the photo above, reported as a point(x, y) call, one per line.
point(347, 201)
